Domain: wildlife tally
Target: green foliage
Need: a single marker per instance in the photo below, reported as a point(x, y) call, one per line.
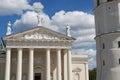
point(92, 74)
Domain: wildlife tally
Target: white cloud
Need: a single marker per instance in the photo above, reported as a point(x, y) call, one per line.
point(29, 20)
point(74, 18)
point(82, 25)
point(8, 7)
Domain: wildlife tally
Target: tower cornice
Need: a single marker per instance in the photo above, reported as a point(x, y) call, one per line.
point(104, 34)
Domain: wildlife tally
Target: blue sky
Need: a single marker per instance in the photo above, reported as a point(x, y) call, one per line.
point(56, 13)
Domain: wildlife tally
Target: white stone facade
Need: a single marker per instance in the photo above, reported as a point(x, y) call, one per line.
point(107, 19)
point(41, 54)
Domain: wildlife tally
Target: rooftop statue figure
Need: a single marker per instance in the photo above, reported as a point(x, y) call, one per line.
point(68, 30)
point(8, 28)
point(39, 16)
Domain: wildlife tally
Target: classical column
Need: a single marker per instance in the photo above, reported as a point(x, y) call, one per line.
point(31, 65)
point(58, 64)
point(47, 64)
point(69, 65)
point(19, 64)
point(65, 65)
point(86, 68)
point(7, 67)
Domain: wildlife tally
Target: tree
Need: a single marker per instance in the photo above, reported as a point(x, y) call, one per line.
point(92, 74)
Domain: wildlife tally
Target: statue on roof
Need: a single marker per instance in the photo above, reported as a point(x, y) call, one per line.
point(8, 28)
point(39, 16)
point(68, 30)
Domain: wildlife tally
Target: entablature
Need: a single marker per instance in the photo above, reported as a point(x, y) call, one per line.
point(38, 44)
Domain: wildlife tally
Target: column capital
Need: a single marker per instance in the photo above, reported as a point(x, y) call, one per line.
point(19, 48)
point(47, 48)
point(65, 51)
point(31, 48)
point(69, 48)
point(58, 49)
point(8, 48)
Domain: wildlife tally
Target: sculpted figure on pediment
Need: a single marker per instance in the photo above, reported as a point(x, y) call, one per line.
point(39, 36)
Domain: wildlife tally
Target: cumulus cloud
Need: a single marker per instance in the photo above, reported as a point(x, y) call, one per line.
point(8, 7)
point(29, 20)
point(74, 18)
point(82, 25)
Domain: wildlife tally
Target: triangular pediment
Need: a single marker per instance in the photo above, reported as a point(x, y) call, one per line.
point(38, 33)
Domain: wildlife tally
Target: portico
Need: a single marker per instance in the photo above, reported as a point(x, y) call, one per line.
point(31, 56)
point(41, 49)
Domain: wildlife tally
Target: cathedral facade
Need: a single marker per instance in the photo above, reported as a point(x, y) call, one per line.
point(41, 54)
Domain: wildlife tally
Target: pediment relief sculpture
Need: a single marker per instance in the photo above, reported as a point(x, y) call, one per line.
point(40, 36)
point(38, 33)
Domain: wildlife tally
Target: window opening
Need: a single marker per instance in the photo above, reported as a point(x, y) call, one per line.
point(109, 0)
point(103, 63)
point(118, 44)
point(98, 2)
point(103, 46)
point(119, 61)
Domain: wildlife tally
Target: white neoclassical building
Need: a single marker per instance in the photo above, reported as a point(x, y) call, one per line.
point(41, 54)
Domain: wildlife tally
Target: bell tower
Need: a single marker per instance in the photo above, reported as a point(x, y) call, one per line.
point(107, 22)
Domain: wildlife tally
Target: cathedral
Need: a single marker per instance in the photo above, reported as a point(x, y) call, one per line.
point(41, 54)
